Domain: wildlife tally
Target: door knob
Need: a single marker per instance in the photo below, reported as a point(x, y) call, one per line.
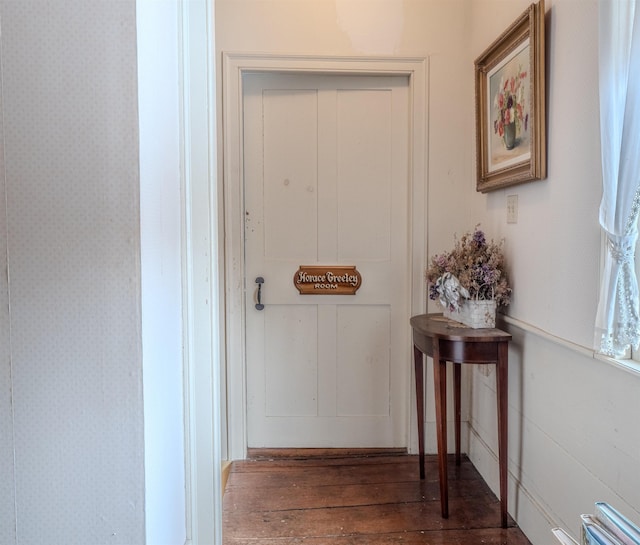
point(259, 281)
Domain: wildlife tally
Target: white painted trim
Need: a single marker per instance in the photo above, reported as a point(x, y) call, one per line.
point(162, 301)
point(547, 336)
point(203, 389)
point(627, 365)
point(234, 66)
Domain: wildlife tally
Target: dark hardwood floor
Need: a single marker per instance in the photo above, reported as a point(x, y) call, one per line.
point(356, 498)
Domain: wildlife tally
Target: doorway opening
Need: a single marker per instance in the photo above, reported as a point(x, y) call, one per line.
point(239, 287)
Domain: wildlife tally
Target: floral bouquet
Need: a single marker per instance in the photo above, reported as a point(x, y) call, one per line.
point(510, 104)
point(474, 269)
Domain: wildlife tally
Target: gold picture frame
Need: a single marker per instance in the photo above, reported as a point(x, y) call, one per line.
point(510, 105)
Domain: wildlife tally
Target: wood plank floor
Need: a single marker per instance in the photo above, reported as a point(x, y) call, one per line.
point(357, 498)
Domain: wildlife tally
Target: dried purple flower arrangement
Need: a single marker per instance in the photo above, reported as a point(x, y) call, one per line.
point(476, 265)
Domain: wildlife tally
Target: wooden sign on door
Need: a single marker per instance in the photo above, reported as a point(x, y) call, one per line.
point(327, 279)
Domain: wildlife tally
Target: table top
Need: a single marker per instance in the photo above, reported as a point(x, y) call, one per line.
point(437, 326)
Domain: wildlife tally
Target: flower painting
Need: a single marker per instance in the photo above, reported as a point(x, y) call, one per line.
point(510, 104)
point(512, 117)
point(509, 85)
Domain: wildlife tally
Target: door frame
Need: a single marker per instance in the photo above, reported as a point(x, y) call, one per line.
point(235, 65)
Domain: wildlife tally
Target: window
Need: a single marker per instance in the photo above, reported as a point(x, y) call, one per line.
point(617, 327)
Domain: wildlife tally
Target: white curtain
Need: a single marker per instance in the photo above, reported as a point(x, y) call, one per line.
point(617, 323)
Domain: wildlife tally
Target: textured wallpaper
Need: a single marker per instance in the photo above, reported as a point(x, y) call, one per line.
point(7, 473)
point(70, 346)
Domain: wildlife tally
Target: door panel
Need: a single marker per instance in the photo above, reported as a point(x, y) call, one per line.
point(364, 169)
point(326, 182)
point(290, 186)
point(363, 360)
point(293, 360)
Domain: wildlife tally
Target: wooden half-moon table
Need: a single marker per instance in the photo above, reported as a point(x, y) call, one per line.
point(446, 340)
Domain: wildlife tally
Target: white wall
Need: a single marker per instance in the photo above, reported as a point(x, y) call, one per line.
point(71, 409)
point(161, 203)
point(558, 391)
point(573, 430)
point(554, 249)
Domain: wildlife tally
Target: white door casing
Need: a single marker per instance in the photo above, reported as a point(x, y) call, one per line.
point(333, 311)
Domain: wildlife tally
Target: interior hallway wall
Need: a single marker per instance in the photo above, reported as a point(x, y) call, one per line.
point(71, 408)
point(573, 434)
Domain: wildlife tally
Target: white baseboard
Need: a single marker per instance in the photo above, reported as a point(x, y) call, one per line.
point(523, 506)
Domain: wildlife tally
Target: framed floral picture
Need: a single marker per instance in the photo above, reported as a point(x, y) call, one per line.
point(510, 105)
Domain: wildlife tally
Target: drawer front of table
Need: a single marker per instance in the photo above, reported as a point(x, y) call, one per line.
point(469, 352)
point(458, 351)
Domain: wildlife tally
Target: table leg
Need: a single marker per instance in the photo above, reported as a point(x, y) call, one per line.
point(419, 372)
point(440, 386)
point(456, 406)
point(502, 388)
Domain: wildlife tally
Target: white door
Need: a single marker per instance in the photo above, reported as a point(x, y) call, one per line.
point(326, 182)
